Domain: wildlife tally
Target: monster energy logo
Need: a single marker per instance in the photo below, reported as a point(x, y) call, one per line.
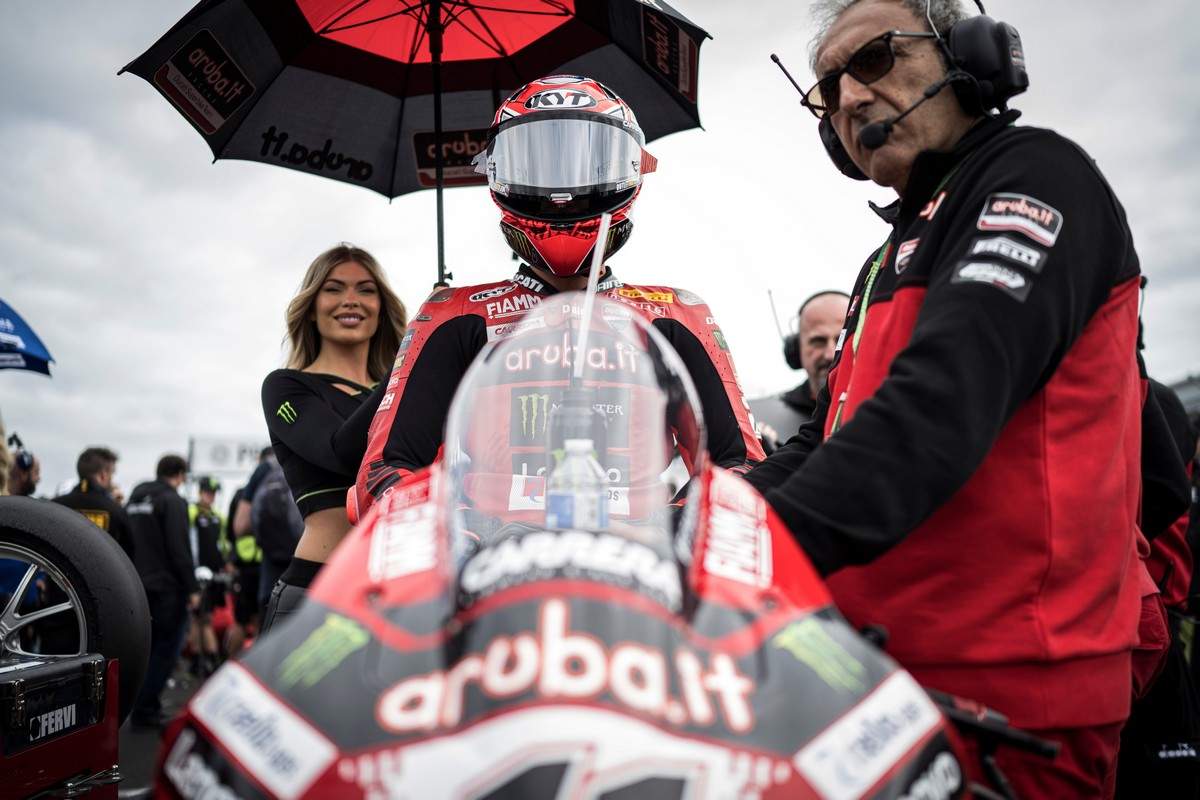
point(519, 242)
point(287, 413)
point(535, 408)
point(812, 645)
point(321, 652)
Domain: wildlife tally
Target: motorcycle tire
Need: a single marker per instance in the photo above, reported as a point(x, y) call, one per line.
point(98, 578)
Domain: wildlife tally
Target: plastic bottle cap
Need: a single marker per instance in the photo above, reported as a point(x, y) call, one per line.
point(578, 445)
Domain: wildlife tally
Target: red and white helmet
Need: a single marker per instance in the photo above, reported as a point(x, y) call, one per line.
point(562, 151)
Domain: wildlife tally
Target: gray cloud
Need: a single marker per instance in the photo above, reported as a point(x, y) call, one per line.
point(158, 279)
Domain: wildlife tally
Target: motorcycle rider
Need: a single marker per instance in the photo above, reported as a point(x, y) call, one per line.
point(561, 151)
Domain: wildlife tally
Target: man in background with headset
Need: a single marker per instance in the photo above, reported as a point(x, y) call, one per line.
point(25, 469)
point(810, 347)
point(970, 478)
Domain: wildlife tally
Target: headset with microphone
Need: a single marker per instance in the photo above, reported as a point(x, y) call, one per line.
point(791, 341)
point(875, 135)
point(986, 67)
point(21, 457)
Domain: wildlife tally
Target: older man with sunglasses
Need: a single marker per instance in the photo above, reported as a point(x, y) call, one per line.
point(970, 479)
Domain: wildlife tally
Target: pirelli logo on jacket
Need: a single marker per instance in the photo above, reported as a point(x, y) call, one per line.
point(1010, 250)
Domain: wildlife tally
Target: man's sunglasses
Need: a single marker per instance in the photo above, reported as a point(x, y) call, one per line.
point(868, 64)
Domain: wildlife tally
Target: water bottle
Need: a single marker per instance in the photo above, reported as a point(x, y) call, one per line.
point(577, 490)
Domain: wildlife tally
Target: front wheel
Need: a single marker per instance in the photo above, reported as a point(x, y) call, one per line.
point(67, 588)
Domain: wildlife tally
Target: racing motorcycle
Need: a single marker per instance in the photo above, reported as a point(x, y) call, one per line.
point(502, 625)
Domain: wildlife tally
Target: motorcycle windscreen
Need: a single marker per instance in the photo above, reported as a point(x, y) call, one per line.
point(614, 382)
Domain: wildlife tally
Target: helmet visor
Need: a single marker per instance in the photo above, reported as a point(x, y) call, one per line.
point(562, 167)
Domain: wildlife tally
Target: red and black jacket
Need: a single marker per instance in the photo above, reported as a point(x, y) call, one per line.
point(970, 479)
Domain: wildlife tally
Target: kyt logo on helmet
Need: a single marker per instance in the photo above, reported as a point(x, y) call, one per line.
point(556, 98)
point(562, 151)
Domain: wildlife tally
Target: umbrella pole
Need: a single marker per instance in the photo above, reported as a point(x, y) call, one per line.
point(434, 26)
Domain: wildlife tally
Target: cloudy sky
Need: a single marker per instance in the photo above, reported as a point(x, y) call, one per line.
point(158, 279)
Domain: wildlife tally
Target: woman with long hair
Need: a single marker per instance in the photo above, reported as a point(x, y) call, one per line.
point(344, 327)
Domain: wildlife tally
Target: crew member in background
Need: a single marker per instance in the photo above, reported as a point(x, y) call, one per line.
point(811, 347)
point(206, 536)
point(92, 496)
point(163, 558)
point(5, 457)
point(1160, 745)
point(24, 470)
point(244, 560)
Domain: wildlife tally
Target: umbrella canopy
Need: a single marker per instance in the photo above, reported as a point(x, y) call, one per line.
point(397, 95)
point(20, 348)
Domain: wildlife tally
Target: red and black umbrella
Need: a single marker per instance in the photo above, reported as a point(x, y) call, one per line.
point(397, 95)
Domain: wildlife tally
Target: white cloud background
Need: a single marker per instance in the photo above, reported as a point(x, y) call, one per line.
point(158, 279)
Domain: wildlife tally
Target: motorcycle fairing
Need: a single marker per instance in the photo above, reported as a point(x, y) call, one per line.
point(744, 556)
point(754, 681)
point(194, 764)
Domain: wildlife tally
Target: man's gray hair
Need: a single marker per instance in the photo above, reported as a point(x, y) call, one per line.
point(944, 14)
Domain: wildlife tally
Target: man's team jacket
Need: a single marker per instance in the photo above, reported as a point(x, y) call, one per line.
point(455, 324)
point(970, 479)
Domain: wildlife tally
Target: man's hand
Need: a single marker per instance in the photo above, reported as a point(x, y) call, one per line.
point(193, 601)
point(768, 436)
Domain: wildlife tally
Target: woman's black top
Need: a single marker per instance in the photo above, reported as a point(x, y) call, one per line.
point(319, 432)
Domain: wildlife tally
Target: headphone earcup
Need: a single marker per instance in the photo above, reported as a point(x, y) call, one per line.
point(991, 53)
point(837, 153)
point(791, 350)
point(24, 460)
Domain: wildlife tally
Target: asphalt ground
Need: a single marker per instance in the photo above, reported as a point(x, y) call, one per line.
point(138, 747)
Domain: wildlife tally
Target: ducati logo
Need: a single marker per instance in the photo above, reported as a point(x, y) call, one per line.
point(560, 98)
point(535, 409)
point(904, 254)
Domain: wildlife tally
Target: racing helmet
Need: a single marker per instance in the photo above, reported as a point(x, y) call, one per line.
point(562, 151)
